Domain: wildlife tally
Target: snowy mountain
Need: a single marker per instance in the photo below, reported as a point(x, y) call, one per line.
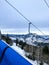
point(30, 38)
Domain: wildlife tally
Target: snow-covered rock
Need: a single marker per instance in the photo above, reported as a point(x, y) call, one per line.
point(21, 39)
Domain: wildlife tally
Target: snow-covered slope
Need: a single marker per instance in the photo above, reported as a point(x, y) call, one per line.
point(22, 53)
point(31, 38)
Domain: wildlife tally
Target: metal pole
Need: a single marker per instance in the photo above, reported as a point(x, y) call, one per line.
point(29, 27)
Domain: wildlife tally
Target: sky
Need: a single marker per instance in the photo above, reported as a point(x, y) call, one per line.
point(35, 10)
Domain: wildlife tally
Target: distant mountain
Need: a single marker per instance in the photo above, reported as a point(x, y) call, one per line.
point(30, 38)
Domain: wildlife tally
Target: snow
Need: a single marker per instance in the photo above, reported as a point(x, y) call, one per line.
point(46, 41)
point(40, 40)
point(13, 38)
point(18, 49)
point(22, 53)
point(21, 39)
point(29, 41)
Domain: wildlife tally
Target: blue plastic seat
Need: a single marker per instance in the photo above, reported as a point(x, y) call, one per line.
point(11, 57)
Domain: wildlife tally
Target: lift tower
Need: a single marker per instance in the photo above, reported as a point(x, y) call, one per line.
point(29, 27)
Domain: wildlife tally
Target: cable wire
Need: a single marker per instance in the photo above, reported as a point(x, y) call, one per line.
point(46, 3)
point(24, 16)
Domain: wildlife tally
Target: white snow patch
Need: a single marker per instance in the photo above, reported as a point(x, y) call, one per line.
point(18, 49)
point(13, 38)
point(29, 41)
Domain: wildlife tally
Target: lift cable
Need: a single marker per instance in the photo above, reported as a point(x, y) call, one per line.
point(46, 3)
point(24, 16)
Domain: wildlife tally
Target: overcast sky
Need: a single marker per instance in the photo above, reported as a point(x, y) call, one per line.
point(35, 10)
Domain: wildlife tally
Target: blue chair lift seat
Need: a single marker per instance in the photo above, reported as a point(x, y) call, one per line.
point(8, 56)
